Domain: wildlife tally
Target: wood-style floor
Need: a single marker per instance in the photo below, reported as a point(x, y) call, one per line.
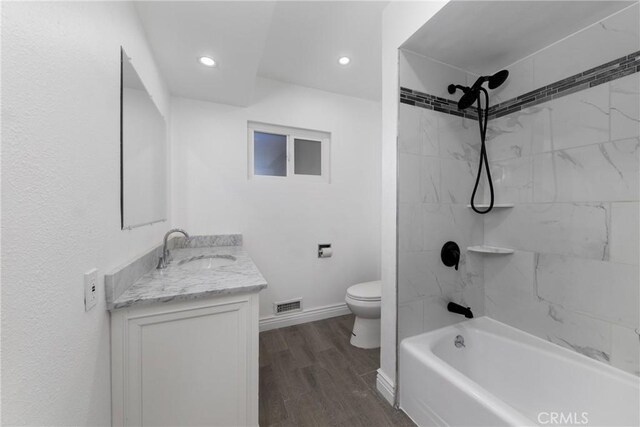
point(311, 376)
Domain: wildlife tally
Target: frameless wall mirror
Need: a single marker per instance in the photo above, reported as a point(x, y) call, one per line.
point(143, 152)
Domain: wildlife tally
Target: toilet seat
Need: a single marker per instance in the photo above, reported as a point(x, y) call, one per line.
point(367, 291)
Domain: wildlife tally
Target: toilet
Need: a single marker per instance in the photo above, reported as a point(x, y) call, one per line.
point(363, 299)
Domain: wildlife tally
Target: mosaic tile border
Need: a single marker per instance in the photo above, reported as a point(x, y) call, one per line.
point(431, 102)
point(603, 73)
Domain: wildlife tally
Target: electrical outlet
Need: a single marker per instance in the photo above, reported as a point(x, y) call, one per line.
point(90, 278)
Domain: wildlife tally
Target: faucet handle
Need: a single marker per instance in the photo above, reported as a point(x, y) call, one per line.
point(450, 254)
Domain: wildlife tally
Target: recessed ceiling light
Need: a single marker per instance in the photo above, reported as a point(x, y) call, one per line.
point(207, 61)
point(344, 60)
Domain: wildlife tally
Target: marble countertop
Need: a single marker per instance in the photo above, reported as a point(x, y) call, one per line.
point(175, 283)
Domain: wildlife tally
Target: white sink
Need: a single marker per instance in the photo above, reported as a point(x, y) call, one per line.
point(206, 262)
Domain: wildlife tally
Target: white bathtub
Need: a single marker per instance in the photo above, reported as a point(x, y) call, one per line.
point(506, 377)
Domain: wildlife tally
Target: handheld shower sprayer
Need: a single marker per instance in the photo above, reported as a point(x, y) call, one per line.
point(469, 96)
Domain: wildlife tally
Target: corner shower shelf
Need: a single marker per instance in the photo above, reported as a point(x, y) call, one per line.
point(495, 206)
point(490, 250)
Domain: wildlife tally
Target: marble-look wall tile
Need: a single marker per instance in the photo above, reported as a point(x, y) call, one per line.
point(422, 274)
point(430, 178)
point(457, 179)
point(510, 136)
point(611, 38)
point(625, 233)
point(625, 108)
point(417, 131)
point(574, 229)
point(444, 222)
point(625, 349)
point(410, 318)
point(510, 276)
point(410, 227)
point(418, 275)
point(409, 130)
point(598, 172)
point(430, 132)
point(512, 180)
point(436, 315)
point(438, 184)
point(584, 334)
point(472, 297)
point(571, 121)
point(409, 171)
point(604, 290)
point(573, 279)
point(459, 138)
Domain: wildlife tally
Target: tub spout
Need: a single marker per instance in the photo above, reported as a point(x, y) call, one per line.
point(457, 308)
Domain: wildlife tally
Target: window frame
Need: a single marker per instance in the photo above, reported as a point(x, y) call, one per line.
point(291, 133)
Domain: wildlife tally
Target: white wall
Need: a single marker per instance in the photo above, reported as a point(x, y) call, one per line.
point(283, 221)
point(400, 20)
point(60, 202)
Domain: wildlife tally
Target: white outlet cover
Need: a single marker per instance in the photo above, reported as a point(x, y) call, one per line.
point(90, 278)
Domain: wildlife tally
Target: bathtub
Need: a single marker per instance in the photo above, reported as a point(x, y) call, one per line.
point(506, 377)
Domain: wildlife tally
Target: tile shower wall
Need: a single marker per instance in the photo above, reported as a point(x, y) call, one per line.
point(571, 167)
point(436, 157)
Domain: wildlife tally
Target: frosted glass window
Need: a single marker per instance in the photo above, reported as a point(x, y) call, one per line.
point(308, 157)
point(288, 152)
point(270, 154)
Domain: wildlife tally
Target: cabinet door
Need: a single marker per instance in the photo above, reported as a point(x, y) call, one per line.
point(188, 367)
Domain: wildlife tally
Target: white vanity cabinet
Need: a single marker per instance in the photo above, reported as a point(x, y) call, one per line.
point(186, 363)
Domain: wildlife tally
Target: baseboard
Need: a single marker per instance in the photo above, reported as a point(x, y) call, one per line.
point(386, 387)
point(310, 315)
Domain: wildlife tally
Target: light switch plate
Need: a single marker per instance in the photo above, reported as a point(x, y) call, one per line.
point(90, 278)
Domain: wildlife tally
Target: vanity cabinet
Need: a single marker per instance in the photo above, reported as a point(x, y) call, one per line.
point(186, 363)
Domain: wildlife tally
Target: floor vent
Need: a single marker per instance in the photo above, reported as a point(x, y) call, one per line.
point(288, 306)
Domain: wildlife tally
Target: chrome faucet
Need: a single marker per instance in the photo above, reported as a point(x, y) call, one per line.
point(166, 256)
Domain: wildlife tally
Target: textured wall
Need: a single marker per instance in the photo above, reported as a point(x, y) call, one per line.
point(60, 202)
point(283, 220)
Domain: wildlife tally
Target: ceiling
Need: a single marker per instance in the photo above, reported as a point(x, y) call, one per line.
point(297, 42)
point(485, 36)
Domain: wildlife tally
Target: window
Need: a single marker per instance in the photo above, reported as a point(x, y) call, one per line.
point(285, 152)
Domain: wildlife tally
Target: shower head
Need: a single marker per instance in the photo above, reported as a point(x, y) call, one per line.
point(497, 79)
point(468, 99)
point(471, 94)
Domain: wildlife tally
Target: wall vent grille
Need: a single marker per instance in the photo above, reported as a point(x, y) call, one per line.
point(288, 306)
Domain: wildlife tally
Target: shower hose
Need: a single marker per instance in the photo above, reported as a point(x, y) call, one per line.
point(483, 119)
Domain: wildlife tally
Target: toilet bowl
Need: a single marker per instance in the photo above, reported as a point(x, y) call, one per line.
point(363, 300)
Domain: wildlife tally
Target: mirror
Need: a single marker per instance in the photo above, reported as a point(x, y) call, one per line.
point(143, 152)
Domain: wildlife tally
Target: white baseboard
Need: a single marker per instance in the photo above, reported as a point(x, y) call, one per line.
point(310, 315)
point(386, 387)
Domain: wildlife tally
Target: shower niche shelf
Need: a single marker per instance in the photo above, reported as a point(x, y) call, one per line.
point(495, 206)
point(490, 250)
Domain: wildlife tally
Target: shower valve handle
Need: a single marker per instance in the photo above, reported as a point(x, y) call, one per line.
point(450, 254)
